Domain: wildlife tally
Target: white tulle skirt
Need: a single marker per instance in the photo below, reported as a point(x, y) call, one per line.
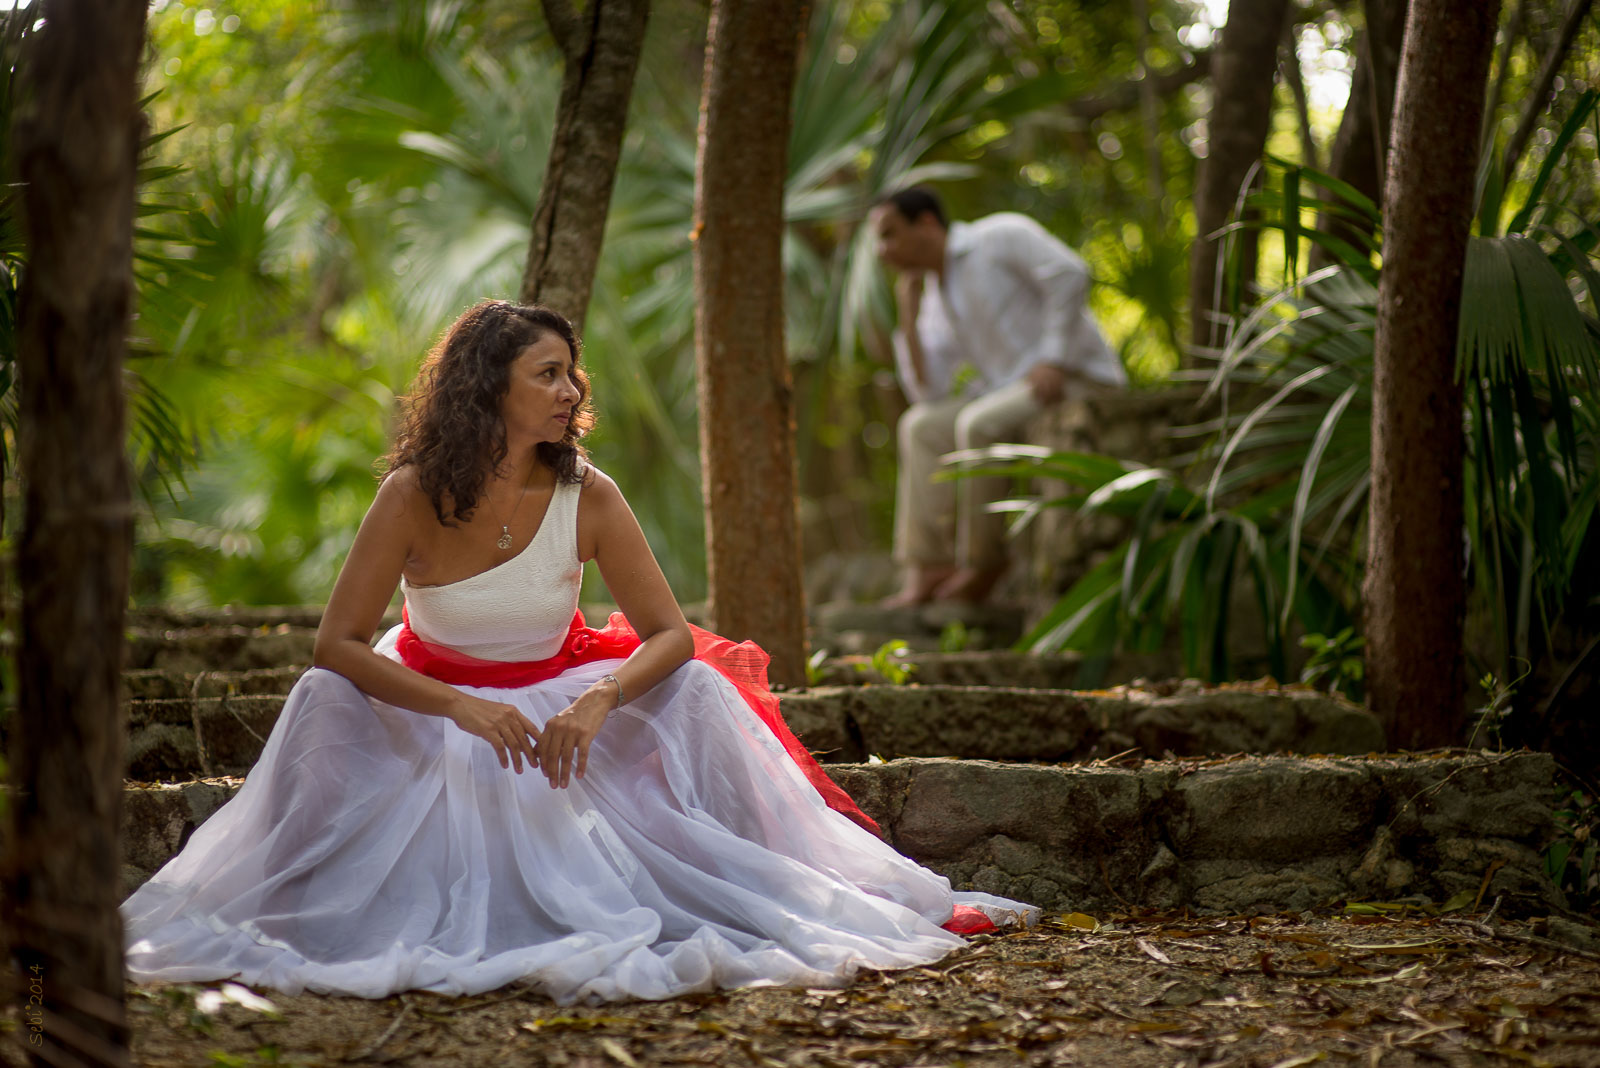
point(374, 850)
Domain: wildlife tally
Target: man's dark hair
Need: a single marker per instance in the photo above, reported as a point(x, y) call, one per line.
point(917, 200)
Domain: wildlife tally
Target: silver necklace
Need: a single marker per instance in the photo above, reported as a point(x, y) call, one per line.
point(504, 541)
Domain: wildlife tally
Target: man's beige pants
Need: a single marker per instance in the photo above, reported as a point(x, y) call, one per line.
point(944, 522)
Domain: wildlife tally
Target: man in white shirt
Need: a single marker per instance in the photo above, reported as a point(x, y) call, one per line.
point(994, 327)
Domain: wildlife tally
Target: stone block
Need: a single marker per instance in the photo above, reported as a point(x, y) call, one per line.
point(1274, 809)
point(162, 751)
point(231, 731)
point(158, 819)
point(821, 727)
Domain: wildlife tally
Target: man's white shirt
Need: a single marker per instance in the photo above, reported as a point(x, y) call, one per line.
point(1013, 297)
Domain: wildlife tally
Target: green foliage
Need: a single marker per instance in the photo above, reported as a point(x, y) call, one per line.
point(814, 664)
point(888, 663)
point(1570, 859)
point(1335, 663)
point(1490, 717)
point(954, 637)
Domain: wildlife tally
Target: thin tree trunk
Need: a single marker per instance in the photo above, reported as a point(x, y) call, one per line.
point(600, 47)
point(1242, 68)
point(77, 144)
point(745, 391)
point(1296, 82)
point(1539, 99)
point(1360, 146)
point(1508, 45)
point(1415, 590)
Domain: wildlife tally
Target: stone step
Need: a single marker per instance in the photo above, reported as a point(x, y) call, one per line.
point(850, 723)
point(145, 684)
point(994, 667)
point(252, 617)
point(192, 650)
point(1230, 836)
point(178, 737)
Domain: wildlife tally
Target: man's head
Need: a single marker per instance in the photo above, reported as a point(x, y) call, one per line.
point(911, 229)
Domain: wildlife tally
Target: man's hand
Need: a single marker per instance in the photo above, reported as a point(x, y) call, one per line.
point(908, 298)
point(1048, 382)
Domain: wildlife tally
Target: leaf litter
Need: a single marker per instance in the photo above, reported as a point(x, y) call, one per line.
point(1140, 988)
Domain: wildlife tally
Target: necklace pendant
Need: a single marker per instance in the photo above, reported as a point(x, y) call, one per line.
point(505, 538)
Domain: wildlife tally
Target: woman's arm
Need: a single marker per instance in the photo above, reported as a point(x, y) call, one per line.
point(609, 534)
point(355, 608)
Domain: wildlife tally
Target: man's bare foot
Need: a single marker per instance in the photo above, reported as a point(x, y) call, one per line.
point(921, 583)
point(971, 585)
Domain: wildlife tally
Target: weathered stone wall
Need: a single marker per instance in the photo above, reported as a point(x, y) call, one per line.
point(1256, 832)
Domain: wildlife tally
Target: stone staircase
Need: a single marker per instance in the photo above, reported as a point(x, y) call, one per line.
point(987, 767)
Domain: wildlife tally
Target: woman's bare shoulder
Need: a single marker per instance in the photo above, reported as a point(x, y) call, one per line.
point(599, 489)
point(400, 495)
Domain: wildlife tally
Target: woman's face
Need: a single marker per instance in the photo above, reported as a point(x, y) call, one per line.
point(540, 392)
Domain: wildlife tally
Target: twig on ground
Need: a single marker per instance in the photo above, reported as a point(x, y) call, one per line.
point(405, 1010)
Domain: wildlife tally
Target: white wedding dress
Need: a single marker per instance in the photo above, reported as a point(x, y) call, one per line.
point(374, 850)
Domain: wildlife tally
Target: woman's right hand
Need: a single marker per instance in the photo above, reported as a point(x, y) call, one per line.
point(501, 725)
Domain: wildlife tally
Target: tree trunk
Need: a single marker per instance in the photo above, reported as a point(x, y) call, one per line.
point(1242, 68)
point(1415, 590)
point(1360, 146)
point(746, 396)
point(601, 49)
point(77, 145)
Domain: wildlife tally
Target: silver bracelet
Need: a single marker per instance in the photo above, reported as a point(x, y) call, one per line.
point(618, 684)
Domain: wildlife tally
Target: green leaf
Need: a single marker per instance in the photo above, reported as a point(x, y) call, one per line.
point(1308, 478)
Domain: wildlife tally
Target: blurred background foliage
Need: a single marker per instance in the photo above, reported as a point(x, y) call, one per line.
point(331, 181)
point(341, 178)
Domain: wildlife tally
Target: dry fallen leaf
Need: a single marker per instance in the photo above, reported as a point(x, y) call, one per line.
point(1152, 951)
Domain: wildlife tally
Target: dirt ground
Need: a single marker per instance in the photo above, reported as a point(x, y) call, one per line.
point(1393, 989)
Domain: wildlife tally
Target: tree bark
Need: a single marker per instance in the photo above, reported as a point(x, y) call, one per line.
point(1289, 66)
point(1242, 67)
point(1539, 99)
point(745, 390)
point(1508, 46)
point(1360, 146)
point(77, 144)
point(600, 47)
point(1415, 589)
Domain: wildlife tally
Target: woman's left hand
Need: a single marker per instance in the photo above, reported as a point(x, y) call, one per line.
point(563, 748)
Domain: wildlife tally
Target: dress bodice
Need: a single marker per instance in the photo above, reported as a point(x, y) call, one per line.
point(517, 610)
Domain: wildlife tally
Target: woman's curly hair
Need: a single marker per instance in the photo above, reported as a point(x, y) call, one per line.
point(451, 428)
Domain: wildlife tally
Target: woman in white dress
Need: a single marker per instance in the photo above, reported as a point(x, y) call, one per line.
point(497, 793)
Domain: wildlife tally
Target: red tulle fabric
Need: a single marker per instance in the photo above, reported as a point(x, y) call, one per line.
point(743, 664)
